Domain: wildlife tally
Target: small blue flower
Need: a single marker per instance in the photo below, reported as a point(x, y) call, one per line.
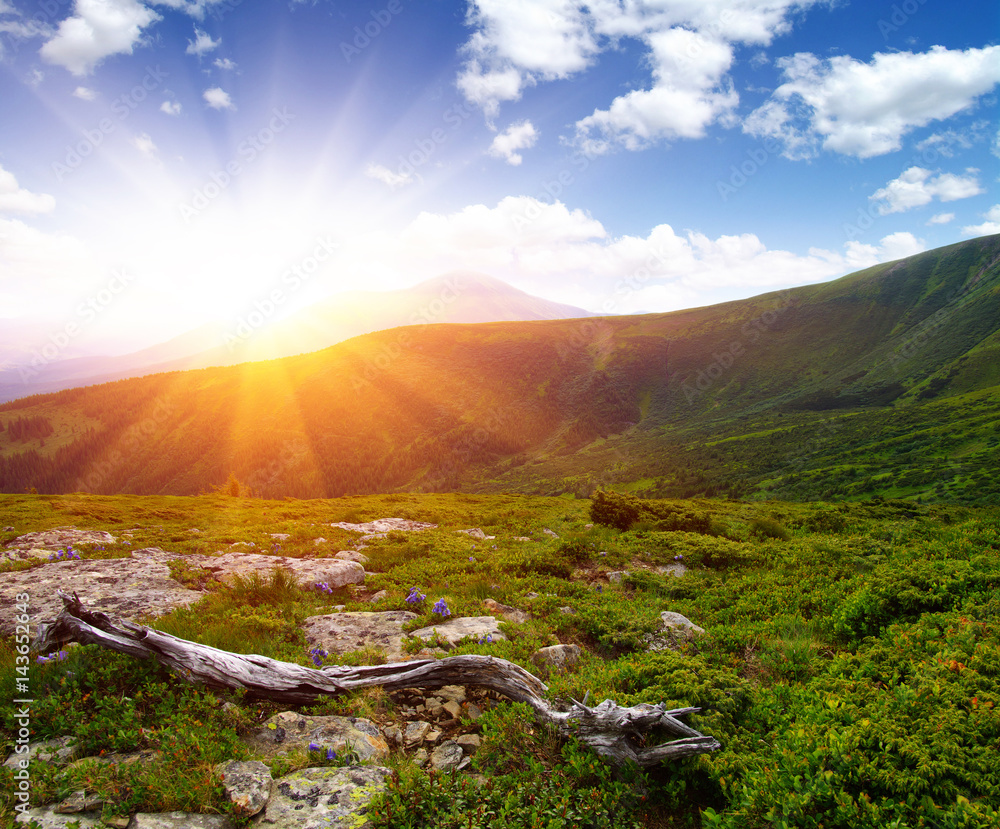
point(314, 747)
point(441, 608)
point(331, 754)
point(415, 597)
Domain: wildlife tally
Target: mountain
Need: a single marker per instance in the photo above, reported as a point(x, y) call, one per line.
point(884, 382)
point(458, 297)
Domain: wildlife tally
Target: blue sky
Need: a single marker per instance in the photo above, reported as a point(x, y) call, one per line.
point(167, 162)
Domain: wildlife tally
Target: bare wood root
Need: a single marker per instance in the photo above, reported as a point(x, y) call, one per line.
point(612, 731)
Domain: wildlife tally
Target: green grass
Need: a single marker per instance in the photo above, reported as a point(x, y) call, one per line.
point(851, 669)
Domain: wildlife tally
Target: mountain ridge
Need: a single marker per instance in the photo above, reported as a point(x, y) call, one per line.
point(750, 398)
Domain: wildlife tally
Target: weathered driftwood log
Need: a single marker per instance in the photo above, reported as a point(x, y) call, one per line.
point(612, 731)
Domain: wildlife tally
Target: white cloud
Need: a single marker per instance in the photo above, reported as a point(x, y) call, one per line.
point(519, 136)
point(171, 107)
point(97, 29)
point(18, 27)
point(865, 109)
point(387, 176)
point(688, 94)
point(15, 199)
point(218, 98)
point(941, 219)
point(519, 43)
point(144, 144)
point(201, 44)
point(84, 93)
point(987, 228)
point(918, 186)
point(224, 63)
point(537, 245)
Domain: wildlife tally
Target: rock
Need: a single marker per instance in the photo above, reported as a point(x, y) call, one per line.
point(470, 743)
point(333, 572)
point(677, 570)
point(473, 711)
point(59, 538)
point(352, 555)
point(331, 798)
point(126, 587)
point(454, 631)
point(520, 538)
point(477, 533)
point(393, 735)
point(346, 632)
point(420, 757)
point(510, 614)
point(318, 541)
point(382, 594)
point(381, 527)
point(453, 708)
point(550, 533)
point(248, 785)
point(676, 630)
point(452, 692)
point(618, 576)
point(567, 611)
point(118, 821)
point(48, 818)
point(58, 750)
point(433, 736)
point(416, 733)
point(179, 820)
point(556, 659)
point(289, 730)
point(447, 756)
point(79, 802)
point(280, 536)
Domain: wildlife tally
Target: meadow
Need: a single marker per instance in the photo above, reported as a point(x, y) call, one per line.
point(850, 667)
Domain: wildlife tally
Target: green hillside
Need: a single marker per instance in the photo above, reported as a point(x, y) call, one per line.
point(880, 383)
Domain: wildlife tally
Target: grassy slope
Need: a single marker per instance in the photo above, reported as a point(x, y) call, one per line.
point(540, 406)
point(851, 669)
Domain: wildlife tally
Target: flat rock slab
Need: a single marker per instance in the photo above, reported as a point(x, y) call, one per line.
point(346, 632)
point(48, 818)
point(125, 587)
point(60, 538)
point(289, 730)
point(380, 527)
point(180, 820)
point(323, 798)
point(454, 631)
point(248, 784)
point(332, 571)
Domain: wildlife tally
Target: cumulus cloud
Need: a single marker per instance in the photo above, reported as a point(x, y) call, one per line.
point(387, 176)
point(224, 63)
point(688, 94)
point(171, 107)
point(918, 186)
point(941, 219)
point(864, 109)
point(987, 228)
point(84, 93)
point(96, 30)
point(537, 244)
point(15, 199)
point(218, 98)
point(689, 47)
point(519, 42)
point(144, 144)
point(201, 44)
point(519, 136)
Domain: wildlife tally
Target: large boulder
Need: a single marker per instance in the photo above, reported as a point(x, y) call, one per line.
point(323, 798)
point(126, 587)
point(290, 730)
point(248, 785)
point(675, 630)
point(346, 632)
point(331, 571)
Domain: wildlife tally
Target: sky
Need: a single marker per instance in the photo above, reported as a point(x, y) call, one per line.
point(164, 164)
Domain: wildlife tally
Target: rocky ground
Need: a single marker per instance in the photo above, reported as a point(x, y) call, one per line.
point(437, 728)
